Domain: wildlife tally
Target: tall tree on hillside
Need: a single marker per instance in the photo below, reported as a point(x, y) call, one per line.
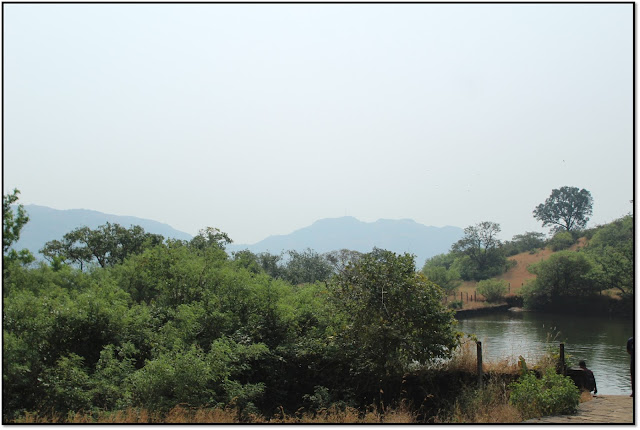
point(567, 208)
point(480, 251)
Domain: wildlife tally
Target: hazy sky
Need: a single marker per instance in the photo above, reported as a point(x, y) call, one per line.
point(261, 119)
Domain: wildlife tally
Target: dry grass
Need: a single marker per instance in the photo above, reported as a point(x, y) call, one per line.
point(184, 415)
point(517, 276)
point(335, 415)
point(465, 359)
point(480, 406)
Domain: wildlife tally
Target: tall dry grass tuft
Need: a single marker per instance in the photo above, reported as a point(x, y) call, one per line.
point(487, 405)
point(347, 415)
point(465, 360)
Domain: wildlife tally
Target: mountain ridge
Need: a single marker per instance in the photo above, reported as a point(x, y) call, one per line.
point(323, 235)
point(330, 234)
point(46, 224)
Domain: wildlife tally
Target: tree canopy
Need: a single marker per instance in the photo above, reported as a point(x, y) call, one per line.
point(12, 224)
point(394, 316)
point(567, 208)
point(564, 275)
point(611, 248)
point(109, 244)
point(481, 251)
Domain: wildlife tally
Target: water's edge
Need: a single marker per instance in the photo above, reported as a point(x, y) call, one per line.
point(467, 313)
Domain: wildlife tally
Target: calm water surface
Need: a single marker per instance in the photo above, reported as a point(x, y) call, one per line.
point(600, 341)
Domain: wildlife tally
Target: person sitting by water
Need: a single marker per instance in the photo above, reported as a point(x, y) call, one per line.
point(590, 380)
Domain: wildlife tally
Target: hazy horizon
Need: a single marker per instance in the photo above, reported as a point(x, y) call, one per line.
point(260, 119)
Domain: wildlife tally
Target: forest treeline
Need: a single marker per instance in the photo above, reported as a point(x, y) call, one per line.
point(157, 323)
point(120, 318)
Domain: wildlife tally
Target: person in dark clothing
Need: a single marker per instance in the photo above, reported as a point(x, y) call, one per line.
point(590, 380)
point(630, 352)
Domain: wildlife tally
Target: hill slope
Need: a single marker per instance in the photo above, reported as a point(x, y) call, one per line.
point(47, 224)
point(349, 233)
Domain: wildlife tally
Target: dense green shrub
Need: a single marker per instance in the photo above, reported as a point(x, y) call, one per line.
point(552, 394)
point(447, 279)
point(493, 290)
point(529, 241)
point(456, 304)
point(565, 274)
point(561, 240)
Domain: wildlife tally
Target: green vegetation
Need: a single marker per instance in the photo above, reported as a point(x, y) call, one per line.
point(611, 248)
point(140, 322)
point(561, 240)
point(478, 255)
point(553, 394)
point(559, 279)
point(493, 289)
point(567, 208)
point(12, 223)
point(480, 252)
point(576, 279)
point(108, 245)
point(121, 320)
point(527, 242)
point(393, 315)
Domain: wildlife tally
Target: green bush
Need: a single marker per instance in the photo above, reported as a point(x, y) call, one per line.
point(561, 240)
point(456, 304)
point(552, 394)
point(493, 289)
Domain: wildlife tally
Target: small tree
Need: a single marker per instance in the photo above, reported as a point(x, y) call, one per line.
point(567, 208)
point(395, 316)
point(493, 290)
point(480, 252)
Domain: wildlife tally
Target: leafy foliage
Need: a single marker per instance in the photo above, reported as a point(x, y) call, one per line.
point(393, 315)
point(121, 318)
point(12, 223)
point(493, 290)
point(561, 240)
point(553, 394)
point(155, 324)
point(480, 252)
point(567, 208)
point(611, 248)
point(307, 267)
point(529, 241)
point(109, 244)
point(565, 274)
point(442, 270)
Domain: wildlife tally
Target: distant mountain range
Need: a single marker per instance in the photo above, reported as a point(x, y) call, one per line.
point(331, 234)
point(322, 236)
point(47, 224)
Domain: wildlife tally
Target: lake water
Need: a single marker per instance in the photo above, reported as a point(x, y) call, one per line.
point(600, 341)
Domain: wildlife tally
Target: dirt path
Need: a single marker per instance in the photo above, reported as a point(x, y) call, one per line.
point(600, 410)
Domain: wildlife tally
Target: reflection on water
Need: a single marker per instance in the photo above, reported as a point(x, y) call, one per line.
point(601, 342)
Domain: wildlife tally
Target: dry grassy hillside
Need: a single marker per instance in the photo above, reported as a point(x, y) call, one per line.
point(516, 276)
